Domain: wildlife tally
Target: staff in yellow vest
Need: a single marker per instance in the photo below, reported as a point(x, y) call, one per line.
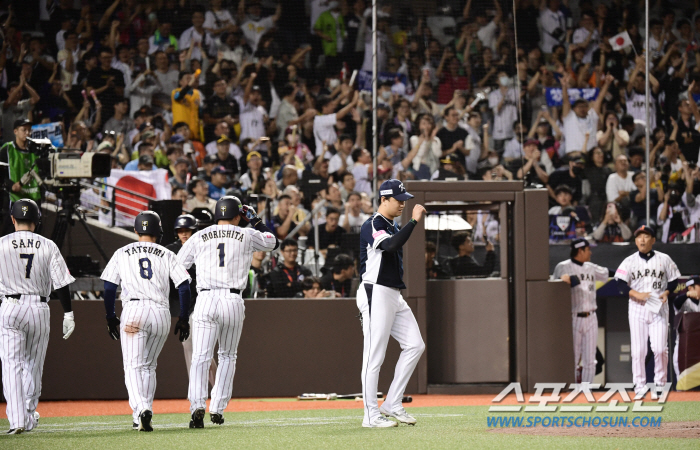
point(186, 101)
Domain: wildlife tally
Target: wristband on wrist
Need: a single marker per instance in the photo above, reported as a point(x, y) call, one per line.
point(414, 221)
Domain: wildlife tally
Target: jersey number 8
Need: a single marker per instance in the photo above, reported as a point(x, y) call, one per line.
point(145, 266)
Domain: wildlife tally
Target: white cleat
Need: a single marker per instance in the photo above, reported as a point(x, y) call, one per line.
point(380, 422)
point(401, 415)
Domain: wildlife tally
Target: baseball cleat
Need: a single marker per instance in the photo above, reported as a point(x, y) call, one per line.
point(36, 417)
point(217, 419)
point(380, 422)
point(401, 415)
point(135, 426)
point(145, 421)
point(197, 418)
point(18, 430)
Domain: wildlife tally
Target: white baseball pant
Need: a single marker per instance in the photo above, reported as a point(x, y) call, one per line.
point(647, 326)
point(187, 348)
point(24, 337)
point(585, 338)
point(145, 325)
point(385, 313)
point(218, 317)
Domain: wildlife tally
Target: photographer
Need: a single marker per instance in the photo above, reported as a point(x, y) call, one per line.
point(19, 162)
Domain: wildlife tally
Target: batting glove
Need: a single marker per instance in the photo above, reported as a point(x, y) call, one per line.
point(68, 324)
point(183, 326)
point(249, 213)
point(113, 328)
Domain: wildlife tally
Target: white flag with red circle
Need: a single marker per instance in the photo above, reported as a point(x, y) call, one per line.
point(620, 41)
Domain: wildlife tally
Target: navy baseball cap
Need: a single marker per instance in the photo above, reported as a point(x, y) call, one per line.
point(693, 281)
point(220, 169)
point(579, 243)
point(645, 229)
point(394, 188)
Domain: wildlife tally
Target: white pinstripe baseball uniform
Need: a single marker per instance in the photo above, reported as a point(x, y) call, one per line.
point(686, 305)
point(583, 311)
point(143, 269)
point(222, 254)
point(649, 272)
point(31, 266)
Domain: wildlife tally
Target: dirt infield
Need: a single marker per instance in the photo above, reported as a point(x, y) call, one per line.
point(667, 430)
point(119, 407)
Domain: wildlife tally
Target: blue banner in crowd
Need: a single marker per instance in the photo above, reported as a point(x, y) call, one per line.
point(364, 79)
point(554, 96)
point(52, 131)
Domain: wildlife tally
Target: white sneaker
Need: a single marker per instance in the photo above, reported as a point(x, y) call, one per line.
point(401, 415)
point(380, 422)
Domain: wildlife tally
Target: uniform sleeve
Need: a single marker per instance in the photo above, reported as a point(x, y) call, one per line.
point(672, 271)
point(379, 230)
point(263, 241)
point(601, 273)
point(111, 272)
point(178, 273)
point(558, 271)
point(186, 254)
point(622, 272)
point(59, 271)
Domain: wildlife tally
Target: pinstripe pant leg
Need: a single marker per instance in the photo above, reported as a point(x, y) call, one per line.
point(639, 335)
point(658, 337)
point(159, 322)
point(588, 347)
point(13, 355)
point(205, 329)
point(187, 348)
point(576, 326)
point(232, 316)
point(37, 341)
point(134, 334)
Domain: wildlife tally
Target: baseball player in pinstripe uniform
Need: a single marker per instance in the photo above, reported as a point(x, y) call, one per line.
point(185, 226)
point(688, 302)
point(143, 269)
point(222, 254)
point(31, 266)
point(582, 275)
point(647, 277)
point(383, 310)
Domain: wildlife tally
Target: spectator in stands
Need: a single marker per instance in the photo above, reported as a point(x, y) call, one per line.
point(612, 228)
point(163, 40)
point(638, 198)
point(340, 162)
point(186, 101)
point(255, 26)
point(330, 27)
point(168, 78)
point(464, 263)
point(570, 176)
point(199, 189)
point(338, 280)
point(581, 119)
point(220, 108)
point(353, 218)
point(433, 268)
point(120, 122)
point(179, 176)
point(224, 156)
point(453, 137)
point(284, 222)
point(672, 215)
point(330, 234)
point(324, 124)
point(219, 182)
point(107, 82)
point(620, 184)
point(286, 278)
point(253, 115)
point(222, 128)
point(254, 179)
point(596, 173)
point(13, 108)
point(612, 139)
point(311, 288)
point(362, 170)
point(145, 163)
point(504, 104)
point(198, 38)
point(534, 171)
point(145, 149)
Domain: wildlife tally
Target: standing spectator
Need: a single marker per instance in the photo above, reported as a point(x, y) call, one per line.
point(142, 90)
point(688, 120)
point(347, 185)
point(612, 228)
point(198, 38)
point(286, 278)
point(619, 184)
point(672, 215)
point(587, 36)
point(199, 189)
point(553, 25)
point(283, 222)
point(218, 183)
point(167, 78)
point(581, 118)
point(218, 20)
point(330, 27)
point(186, 101)
point(330, 234)
point(362, 170)
point(476, 147)
point(612, 139)
point(14, 109)
point(253, 180)
point(224, 157)
point(163, 40)
point(596, 175)
point(253, 115)
point(534, 171)
point(219, 108)
point(636, 97)
point(107, 82)
point(253, 25)
point(453, 137)
point(178, 180)
point(120, 122)
point(68, 58)
point(638, 199)
point(324, 124)
point(353, 218)
point(427, 159)
point(504, 104)
point(222, 129)
point(570, 176)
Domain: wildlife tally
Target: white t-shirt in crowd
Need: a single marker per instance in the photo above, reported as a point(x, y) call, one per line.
point(503, 119)
point(616, 184)
point(324, 130)
point(575, 129)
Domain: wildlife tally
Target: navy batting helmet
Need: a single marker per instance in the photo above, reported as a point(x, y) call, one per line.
point(185, 221)
point(148, 222)
point(227, 208)
point(26, 209)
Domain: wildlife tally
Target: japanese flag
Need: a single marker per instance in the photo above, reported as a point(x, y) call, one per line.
point(620, 41)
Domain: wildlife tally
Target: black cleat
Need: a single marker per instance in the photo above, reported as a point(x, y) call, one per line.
point(197, 418)
point(16, 431)
point(135, 426)
point(145, 421)
point(217, 419)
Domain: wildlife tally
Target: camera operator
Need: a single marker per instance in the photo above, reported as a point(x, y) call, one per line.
point(19, 162)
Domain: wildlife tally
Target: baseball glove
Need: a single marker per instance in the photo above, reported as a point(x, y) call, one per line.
point(182, 326)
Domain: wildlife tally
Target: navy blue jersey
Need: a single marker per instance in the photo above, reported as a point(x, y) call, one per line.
point(376, 265)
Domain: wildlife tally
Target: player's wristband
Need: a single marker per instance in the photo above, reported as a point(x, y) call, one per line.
point(415, 222)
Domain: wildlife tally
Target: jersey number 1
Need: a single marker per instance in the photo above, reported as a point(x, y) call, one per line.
point(145, 266)
point(221, 248)
point(30, 258)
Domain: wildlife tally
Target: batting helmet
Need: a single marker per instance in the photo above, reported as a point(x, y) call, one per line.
point(26, 209)
point(227, 208)
point(185, 221)
point(148, 222)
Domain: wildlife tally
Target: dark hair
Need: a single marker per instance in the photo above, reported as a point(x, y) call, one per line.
point(345, 175)
point(395, 133)
point(288, 243)
point(287, 90)
point(283, 196)
point(447, 111)
point(345, 137)
point(332, 210)
point(637, 175)
point(355, 155)
point(626, 120)
point(322, 101)
point(182, 74)
point(430, 246)
point(353, 193)
point(459, 238)
point(69, 33)
point(342, 262)
point(308, 283)
point(563, 188)
point(180, 125)
point(574, 252)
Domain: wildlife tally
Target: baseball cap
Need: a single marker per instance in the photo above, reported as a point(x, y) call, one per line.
point(394, 188)
point(182, 161)
point(693, 281)
point(383, 106)
point(223, 139)
point(210, 159)
point(579, 243)
point(176, 139)
point(251, 155)
point(645, 229)
point(449, 159)
point(220, 169)
point(145, 159)
point(103, 145)
point(578, 160)
point(21, 123)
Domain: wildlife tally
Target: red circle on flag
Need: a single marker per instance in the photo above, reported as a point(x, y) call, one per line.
point(620, 41)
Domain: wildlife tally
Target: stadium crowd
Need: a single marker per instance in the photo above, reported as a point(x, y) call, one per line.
point(251, 97)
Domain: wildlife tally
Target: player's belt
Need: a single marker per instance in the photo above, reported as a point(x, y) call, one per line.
point(585, 314)
point(232, 290)
point(18, 296)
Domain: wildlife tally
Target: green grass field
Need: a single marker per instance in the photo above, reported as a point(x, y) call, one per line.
point(443, 427)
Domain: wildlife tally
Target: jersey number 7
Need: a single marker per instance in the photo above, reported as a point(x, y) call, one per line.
point(30, 258)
